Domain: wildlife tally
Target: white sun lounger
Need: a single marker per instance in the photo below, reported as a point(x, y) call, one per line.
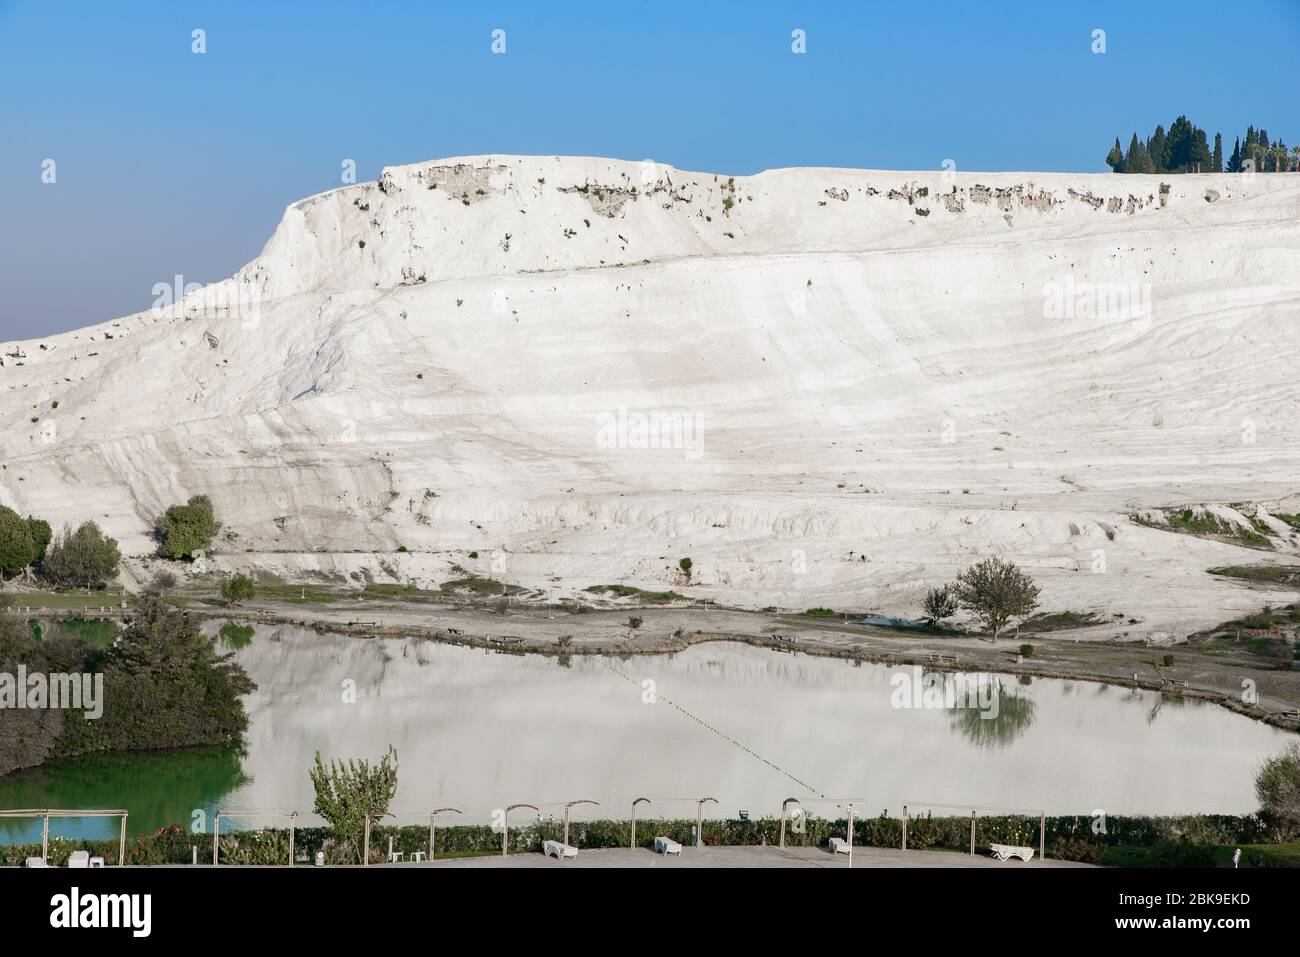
point(665, 845)
point(1006, 851)
point(839, 845)
point(36, 862)
point(558, 850)
point(79, 859)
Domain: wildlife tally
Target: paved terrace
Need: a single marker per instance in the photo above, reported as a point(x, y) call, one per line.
point(762, 856)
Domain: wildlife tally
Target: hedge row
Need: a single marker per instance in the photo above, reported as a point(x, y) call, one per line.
point(1068, 838)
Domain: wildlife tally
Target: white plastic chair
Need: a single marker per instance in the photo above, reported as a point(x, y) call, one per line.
point(1005, 852)
point(558, 850)
point(664, 845)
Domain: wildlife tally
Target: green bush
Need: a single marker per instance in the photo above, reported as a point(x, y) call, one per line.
point(85, 557)
point(1277, 786)
point(1181, 854)
point(189, 528)
point(18, 548)
point(42, 535)
point(1027, 651)
point(1255, 622)
point(238, 588)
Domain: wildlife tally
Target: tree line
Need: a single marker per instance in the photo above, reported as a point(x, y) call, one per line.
point(81, 557)
point(1185, 148)
point(85, 557)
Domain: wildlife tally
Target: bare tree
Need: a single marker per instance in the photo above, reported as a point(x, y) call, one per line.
point(940, 603)
point(163, 582)
point(996, 591)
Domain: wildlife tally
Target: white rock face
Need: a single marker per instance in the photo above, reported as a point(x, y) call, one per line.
point(826, 387)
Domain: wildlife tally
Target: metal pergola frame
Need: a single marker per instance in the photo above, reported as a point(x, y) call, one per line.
point(699, 814)
point(216, 829)
point(46, 813)
point(848, 803)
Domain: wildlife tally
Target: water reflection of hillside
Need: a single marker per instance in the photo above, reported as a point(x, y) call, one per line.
point(474, 729)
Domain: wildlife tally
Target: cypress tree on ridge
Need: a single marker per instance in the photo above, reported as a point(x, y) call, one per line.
point(1159, 150)
point(1185, 148)
point(1115, 158)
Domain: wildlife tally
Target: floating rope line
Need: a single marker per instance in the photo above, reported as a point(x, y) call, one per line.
point(722, 734)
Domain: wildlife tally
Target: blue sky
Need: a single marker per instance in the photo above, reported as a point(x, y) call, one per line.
point(170, 162)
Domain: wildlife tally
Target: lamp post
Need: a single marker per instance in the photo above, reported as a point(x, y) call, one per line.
point(785, 804)
point(505, 826)
point(699, 820)
point(567, 805)
point(365, 850)
point(849, 836)
point(632, 845)
point(432, 825)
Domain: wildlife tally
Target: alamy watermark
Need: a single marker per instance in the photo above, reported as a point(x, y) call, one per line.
point(37, 691)
point(231, 299)
point(633, 429)
point(946, 691)
point(1097, 302)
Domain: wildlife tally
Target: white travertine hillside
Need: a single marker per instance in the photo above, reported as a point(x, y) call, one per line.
point(864, 380)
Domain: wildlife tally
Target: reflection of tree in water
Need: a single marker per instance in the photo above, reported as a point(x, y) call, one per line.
point(1011, 717)
point(1162, 699)
point(235, 636)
